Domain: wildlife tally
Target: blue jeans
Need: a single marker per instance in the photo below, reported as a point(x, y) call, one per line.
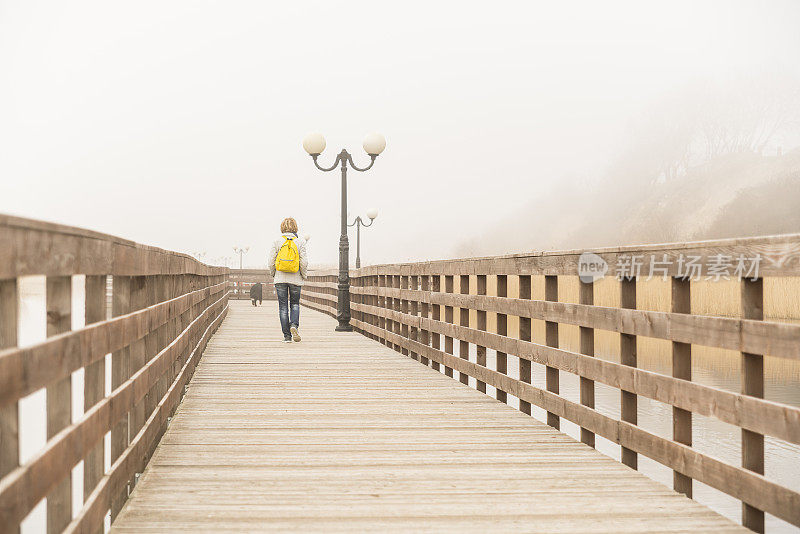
point(288, 297)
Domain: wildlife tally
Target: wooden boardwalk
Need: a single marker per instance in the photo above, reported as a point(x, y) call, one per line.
point(339, 433)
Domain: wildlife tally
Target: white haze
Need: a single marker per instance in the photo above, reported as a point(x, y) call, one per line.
point(179, 123)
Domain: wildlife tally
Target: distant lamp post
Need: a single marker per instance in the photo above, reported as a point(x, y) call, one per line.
point(241, 252)
point(373, 145)
point(358, 223)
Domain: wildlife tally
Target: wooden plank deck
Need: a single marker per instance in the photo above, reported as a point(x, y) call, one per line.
point(339, 433)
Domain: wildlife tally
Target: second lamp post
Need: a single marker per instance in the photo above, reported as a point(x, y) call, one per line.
point(358, 223)
point(314, 144)
point(241, 251)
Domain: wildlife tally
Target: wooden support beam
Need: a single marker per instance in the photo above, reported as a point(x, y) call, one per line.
point(58, 301)
point(424, 312)
point(448, 318)
point(436, 314)
point(502, 329)
point(586, 296)
point(752, 302)
point(525, 335)
point(627, 356)
point(481, 326)
point(551, 339)
point(681, 368)
point(120, 372)
point(9, 414)
point(463, 320)
point(94, 379)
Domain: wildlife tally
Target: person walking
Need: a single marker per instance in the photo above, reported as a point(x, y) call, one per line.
point(256, 293)
point(288, 263)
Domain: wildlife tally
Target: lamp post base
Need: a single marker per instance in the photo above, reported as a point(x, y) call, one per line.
point(344, 328)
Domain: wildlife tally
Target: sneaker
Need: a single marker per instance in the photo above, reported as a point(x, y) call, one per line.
point(295, 333)
point(287, 340)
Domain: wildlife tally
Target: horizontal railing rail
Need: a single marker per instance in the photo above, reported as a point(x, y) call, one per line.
point(241, 280)
point(447, 314)
point(164, 306)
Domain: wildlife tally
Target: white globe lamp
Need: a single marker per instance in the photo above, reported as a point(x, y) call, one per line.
point(314, 144)
point(374, 144)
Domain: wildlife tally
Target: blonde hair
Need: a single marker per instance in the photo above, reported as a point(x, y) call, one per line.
point(289, 225)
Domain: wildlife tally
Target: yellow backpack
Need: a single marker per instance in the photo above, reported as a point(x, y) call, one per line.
point(288, 259)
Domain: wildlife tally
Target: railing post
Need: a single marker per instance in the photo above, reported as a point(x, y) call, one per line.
point(375, 300)
point(59, 398)
point(480, 351)
point(681, 368)
point(413, 310)
point(586, 296)
point(120, 372)
point(404, 308)
point(138, 301)
point(448, 318)
point(396, 306)
point(94, 379)
point(627, 356)
point(752, 301)
point(525, 335)
point(463, 346)
point(551, 339)
point(502, 329)
point(436, 313)
point(382, 323)
point(9, 414)
point(424, 312)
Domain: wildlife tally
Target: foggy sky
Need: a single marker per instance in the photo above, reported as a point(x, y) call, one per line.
point(179, 124)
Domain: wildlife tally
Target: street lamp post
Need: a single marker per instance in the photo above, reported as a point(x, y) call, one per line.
point(241, 252)
point(373, 145)
point(358, 223)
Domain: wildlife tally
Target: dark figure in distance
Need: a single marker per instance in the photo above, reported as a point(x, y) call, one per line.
point(256, 293)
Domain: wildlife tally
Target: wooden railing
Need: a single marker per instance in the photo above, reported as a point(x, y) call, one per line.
point(243, 279)
point(165, 306)
point(412, 308)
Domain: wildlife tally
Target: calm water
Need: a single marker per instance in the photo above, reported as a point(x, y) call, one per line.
point(717, 368)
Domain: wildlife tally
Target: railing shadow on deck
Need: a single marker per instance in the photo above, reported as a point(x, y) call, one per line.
point(411, 307)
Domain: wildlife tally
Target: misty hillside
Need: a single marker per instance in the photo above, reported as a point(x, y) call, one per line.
point(731, 195)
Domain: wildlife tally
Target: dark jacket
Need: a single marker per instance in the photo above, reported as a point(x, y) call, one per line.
point(256, 291)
